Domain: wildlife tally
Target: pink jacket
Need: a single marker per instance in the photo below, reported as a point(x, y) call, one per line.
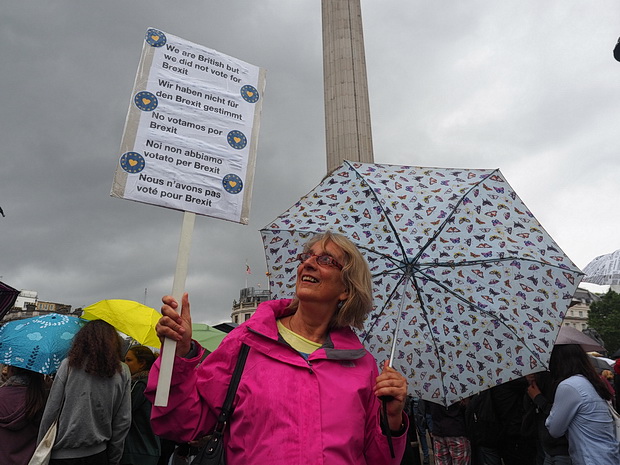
point(287, 410)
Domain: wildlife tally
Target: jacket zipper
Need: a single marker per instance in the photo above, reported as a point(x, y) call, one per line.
point(308, 362)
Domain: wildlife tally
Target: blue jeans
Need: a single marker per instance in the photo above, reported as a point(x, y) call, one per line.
point(423, 442)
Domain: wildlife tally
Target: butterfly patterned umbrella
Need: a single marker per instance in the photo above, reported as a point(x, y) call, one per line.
point(469, 289)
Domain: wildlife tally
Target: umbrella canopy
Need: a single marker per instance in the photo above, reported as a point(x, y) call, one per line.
point(132, 318)
point(8, 296)
point(207, 336)
point(570, 335)
point(477, 286)
point(601, 364)
point(604, 270)
point(39, 343)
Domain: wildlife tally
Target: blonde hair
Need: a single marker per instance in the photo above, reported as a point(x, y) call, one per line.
point(356, 278)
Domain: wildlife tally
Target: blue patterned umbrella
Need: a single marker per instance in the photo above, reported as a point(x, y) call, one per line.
point(469, 290)
point(38, 343)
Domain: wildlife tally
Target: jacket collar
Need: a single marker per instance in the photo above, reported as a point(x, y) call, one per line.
point(341, 343)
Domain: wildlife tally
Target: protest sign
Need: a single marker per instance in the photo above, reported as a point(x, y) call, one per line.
point(189, 144)
point(191, 130)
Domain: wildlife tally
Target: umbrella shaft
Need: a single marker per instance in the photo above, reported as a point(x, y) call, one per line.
point(396, 330)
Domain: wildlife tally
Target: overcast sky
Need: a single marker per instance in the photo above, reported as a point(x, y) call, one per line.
point(526, 86)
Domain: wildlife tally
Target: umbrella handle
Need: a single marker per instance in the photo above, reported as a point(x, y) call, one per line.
point(386, 424)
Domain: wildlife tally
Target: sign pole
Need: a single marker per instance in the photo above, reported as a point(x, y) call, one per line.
point(178, 287)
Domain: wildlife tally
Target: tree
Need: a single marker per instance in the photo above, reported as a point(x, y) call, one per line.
point(604, 317)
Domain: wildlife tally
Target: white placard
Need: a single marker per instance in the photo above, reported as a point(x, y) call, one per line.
point(191, 131)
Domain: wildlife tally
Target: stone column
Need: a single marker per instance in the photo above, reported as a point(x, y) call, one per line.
point(347, 110)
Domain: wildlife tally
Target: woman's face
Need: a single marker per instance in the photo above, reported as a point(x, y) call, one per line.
point(132, 362)
point(321, 283)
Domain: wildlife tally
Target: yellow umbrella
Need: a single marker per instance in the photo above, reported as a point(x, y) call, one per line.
point(132, 318)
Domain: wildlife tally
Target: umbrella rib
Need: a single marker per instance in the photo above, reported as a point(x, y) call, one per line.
point(498, 317)
point(425, 316)
point(494, 260)
point(399, 264)
point(374, 194)
point(399, 269)
point(450, 218)
point(382, 312)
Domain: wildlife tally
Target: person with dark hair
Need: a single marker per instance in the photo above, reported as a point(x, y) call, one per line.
point(495, 426)
point(142, 446)
point(580, 408)
point(541, 390)
point(617, 381)
point(22, 400)
point(91, 392)
point(516, 446)
point(4, 374)
point(608, 380)
point(310, 392)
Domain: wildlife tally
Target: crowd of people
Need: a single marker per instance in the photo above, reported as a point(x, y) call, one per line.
point(98, 403)
point(309, 392)
point(557, 417)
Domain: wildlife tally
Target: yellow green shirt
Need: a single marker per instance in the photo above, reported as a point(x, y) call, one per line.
point(302, 345)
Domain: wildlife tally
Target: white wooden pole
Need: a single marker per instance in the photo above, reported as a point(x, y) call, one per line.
point(178, 287)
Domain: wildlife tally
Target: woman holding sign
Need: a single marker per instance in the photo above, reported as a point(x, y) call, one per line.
point(309, 392)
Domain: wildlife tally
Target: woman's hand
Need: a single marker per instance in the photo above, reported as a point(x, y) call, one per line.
point(175, 326)
point(533, 390)
point(392, 384)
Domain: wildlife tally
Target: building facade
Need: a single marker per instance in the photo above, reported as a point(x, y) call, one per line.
point(577, 313)
point(28, 305)
point(26, 298)
point(249, 298)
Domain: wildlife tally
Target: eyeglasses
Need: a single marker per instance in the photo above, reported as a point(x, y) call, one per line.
point(323, 260)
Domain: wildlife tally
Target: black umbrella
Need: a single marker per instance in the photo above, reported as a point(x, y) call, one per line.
point(600, 364)
point(570, 335)
point(8, 296)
